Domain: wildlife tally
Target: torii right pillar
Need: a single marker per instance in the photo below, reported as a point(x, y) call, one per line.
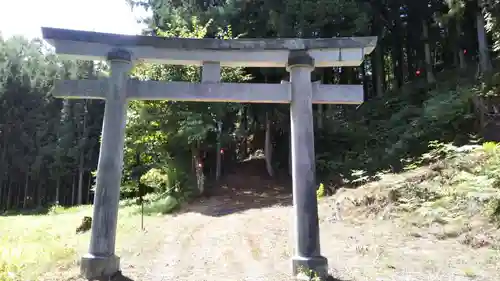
point(307, 256)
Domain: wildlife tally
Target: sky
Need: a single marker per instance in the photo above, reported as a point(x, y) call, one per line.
point(26, 17)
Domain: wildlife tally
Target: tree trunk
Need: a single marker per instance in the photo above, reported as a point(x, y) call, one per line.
point(39, 195)
point(218, 154)
point(378, 70)
point(319, 116)
point(4, 189)
point(290, 151)
point(26, 188)
point(410, 65)
point(79, 199)
point(73, 190)
point(3, 160)
point(427, 50)
point(198, 168)
point(20, 198)
point(89, 189)
point(461, 56)
point(9, 194)
point(268, 146)
point(83, 138)
point(244, 130)
point(58, 188)
point(484, 54)
point(397, 53)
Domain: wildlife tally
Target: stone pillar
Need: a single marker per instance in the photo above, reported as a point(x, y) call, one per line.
point(101, 260)
point(306, 226)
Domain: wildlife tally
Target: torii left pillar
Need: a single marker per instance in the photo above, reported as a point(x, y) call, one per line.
point(101, 261)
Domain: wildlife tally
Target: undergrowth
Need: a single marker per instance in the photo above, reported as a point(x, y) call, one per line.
point(457, 185)
point(387, 133)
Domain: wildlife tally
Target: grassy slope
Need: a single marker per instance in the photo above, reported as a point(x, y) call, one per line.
point(449, 201)
point(460, 187)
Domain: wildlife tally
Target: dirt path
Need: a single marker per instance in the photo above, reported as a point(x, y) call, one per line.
point(244, 246)
point(255, 245)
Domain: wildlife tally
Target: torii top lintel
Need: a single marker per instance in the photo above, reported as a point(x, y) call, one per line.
point(77, 44)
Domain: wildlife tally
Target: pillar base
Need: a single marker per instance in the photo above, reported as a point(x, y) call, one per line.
point(96, 267)
point(301, 266)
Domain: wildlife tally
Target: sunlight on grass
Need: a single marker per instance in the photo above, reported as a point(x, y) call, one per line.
point(31, 245)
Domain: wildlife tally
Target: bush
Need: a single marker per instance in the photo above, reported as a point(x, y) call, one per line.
point(165, 205)
point(394, 130)
point(157, 179)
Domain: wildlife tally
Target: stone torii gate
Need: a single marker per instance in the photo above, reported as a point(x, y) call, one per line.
point(299, 56)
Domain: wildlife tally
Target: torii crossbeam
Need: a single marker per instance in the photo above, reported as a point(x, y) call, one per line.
point(208, 91)
point(299, 56)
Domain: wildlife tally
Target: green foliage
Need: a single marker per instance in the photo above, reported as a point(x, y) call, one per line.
point(163, 135)
point(492, 165)
point(165, 205)
point(157, 179)
point(491, 170)
point(320, 192)
point(41, 140)
point(395, 130)
point(304, 272)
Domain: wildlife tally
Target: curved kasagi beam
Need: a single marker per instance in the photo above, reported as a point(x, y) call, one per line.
point(77, 44)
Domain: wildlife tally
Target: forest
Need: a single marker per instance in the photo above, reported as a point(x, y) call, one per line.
point(431, 79)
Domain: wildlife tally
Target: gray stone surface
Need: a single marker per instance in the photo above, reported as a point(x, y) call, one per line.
point(96, 267)
point(210, 72)
point(306, 224)
point(117, 54)
point(299, 58)
point(75, 44)
point(207, 43)
point(101, 256)
point(337, 94)
point(209, 92)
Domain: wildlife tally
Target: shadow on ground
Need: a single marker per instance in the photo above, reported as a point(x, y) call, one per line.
point(246, 186)
point(118, 277)
point(40, 211)
point(331, 278)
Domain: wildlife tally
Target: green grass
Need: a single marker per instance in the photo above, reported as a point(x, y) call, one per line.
point(31, 245)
